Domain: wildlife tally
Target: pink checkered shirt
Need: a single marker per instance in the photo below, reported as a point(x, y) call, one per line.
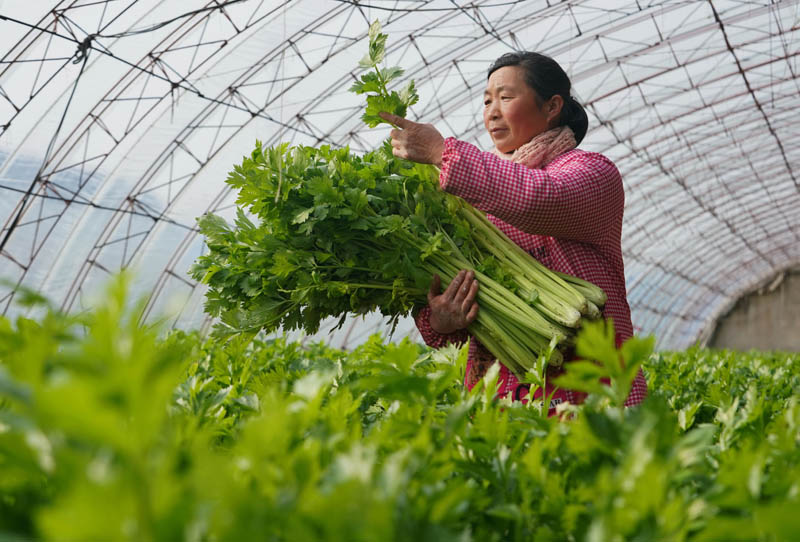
point(567, 215)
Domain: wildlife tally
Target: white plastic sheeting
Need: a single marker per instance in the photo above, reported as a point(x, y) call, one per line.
point(120, 120)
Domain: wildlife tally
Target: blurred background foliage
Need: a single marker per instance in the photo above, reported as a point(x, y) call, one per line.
point(115, 431)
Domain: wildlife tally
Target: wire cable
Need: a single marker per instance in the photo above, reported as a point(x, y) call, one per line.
point(88, 43)
point(162, 24)
point(99, 207)
point(356, 3)
point(38, 176)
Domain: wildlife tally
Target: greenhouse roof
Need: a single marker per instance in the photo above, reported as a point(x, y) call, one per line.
point(120, 120)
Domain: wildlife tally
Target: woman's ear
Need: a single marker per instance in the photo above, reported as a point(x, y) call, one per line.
point(553, 109)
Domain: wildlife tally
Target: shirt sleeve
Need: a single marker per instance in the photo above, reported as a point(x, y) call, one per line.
point(576, 199)
point(433, 338)
point(638, 391)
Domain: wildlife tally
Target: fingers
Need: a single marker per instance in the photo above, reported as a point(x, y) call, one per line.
point(398, 149)
point(455, 285)
point(403, 143)
point(469, 299)
point(472, 314)
point(399, 141)
point(397, 121)
point(436, 287)
point(457, 307)
point(465, 287)
point(416, 142)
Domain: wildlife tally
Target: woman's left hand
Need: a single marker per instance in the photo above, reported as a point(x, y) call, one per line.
point(421, 143)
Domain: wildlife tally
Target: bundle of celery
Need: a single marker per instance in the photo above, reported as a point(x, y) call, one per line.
point(341, 233)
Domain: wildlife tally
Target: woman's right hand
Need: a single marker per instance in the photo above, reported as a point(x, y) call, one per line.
point(456, 308)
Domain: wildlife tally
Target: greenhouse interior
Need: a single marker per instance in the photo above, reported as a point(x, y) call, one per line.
point(187, 354)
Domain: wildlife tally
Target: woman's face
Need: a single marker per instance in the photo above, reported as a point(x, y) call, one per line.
point(510, 113)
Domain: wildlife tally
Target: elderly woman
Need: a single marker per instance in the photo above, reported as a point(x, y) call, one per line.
point(561, 204)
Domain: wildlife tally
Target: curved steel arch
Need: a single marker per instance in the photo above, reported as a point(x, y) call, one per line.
point(179, 142)
point(94, 119)
point(91, 120)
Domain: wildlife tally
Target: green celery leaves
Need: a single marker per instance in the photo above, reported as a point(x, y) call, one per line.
point(322, 232)
point(374, 83)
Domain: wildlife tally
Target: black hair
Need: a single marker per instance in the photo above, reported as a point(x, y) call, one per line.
point(547, 78)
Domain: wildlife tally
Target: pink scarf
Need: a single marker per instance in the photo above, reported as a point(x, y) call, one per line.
point(542, 149)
